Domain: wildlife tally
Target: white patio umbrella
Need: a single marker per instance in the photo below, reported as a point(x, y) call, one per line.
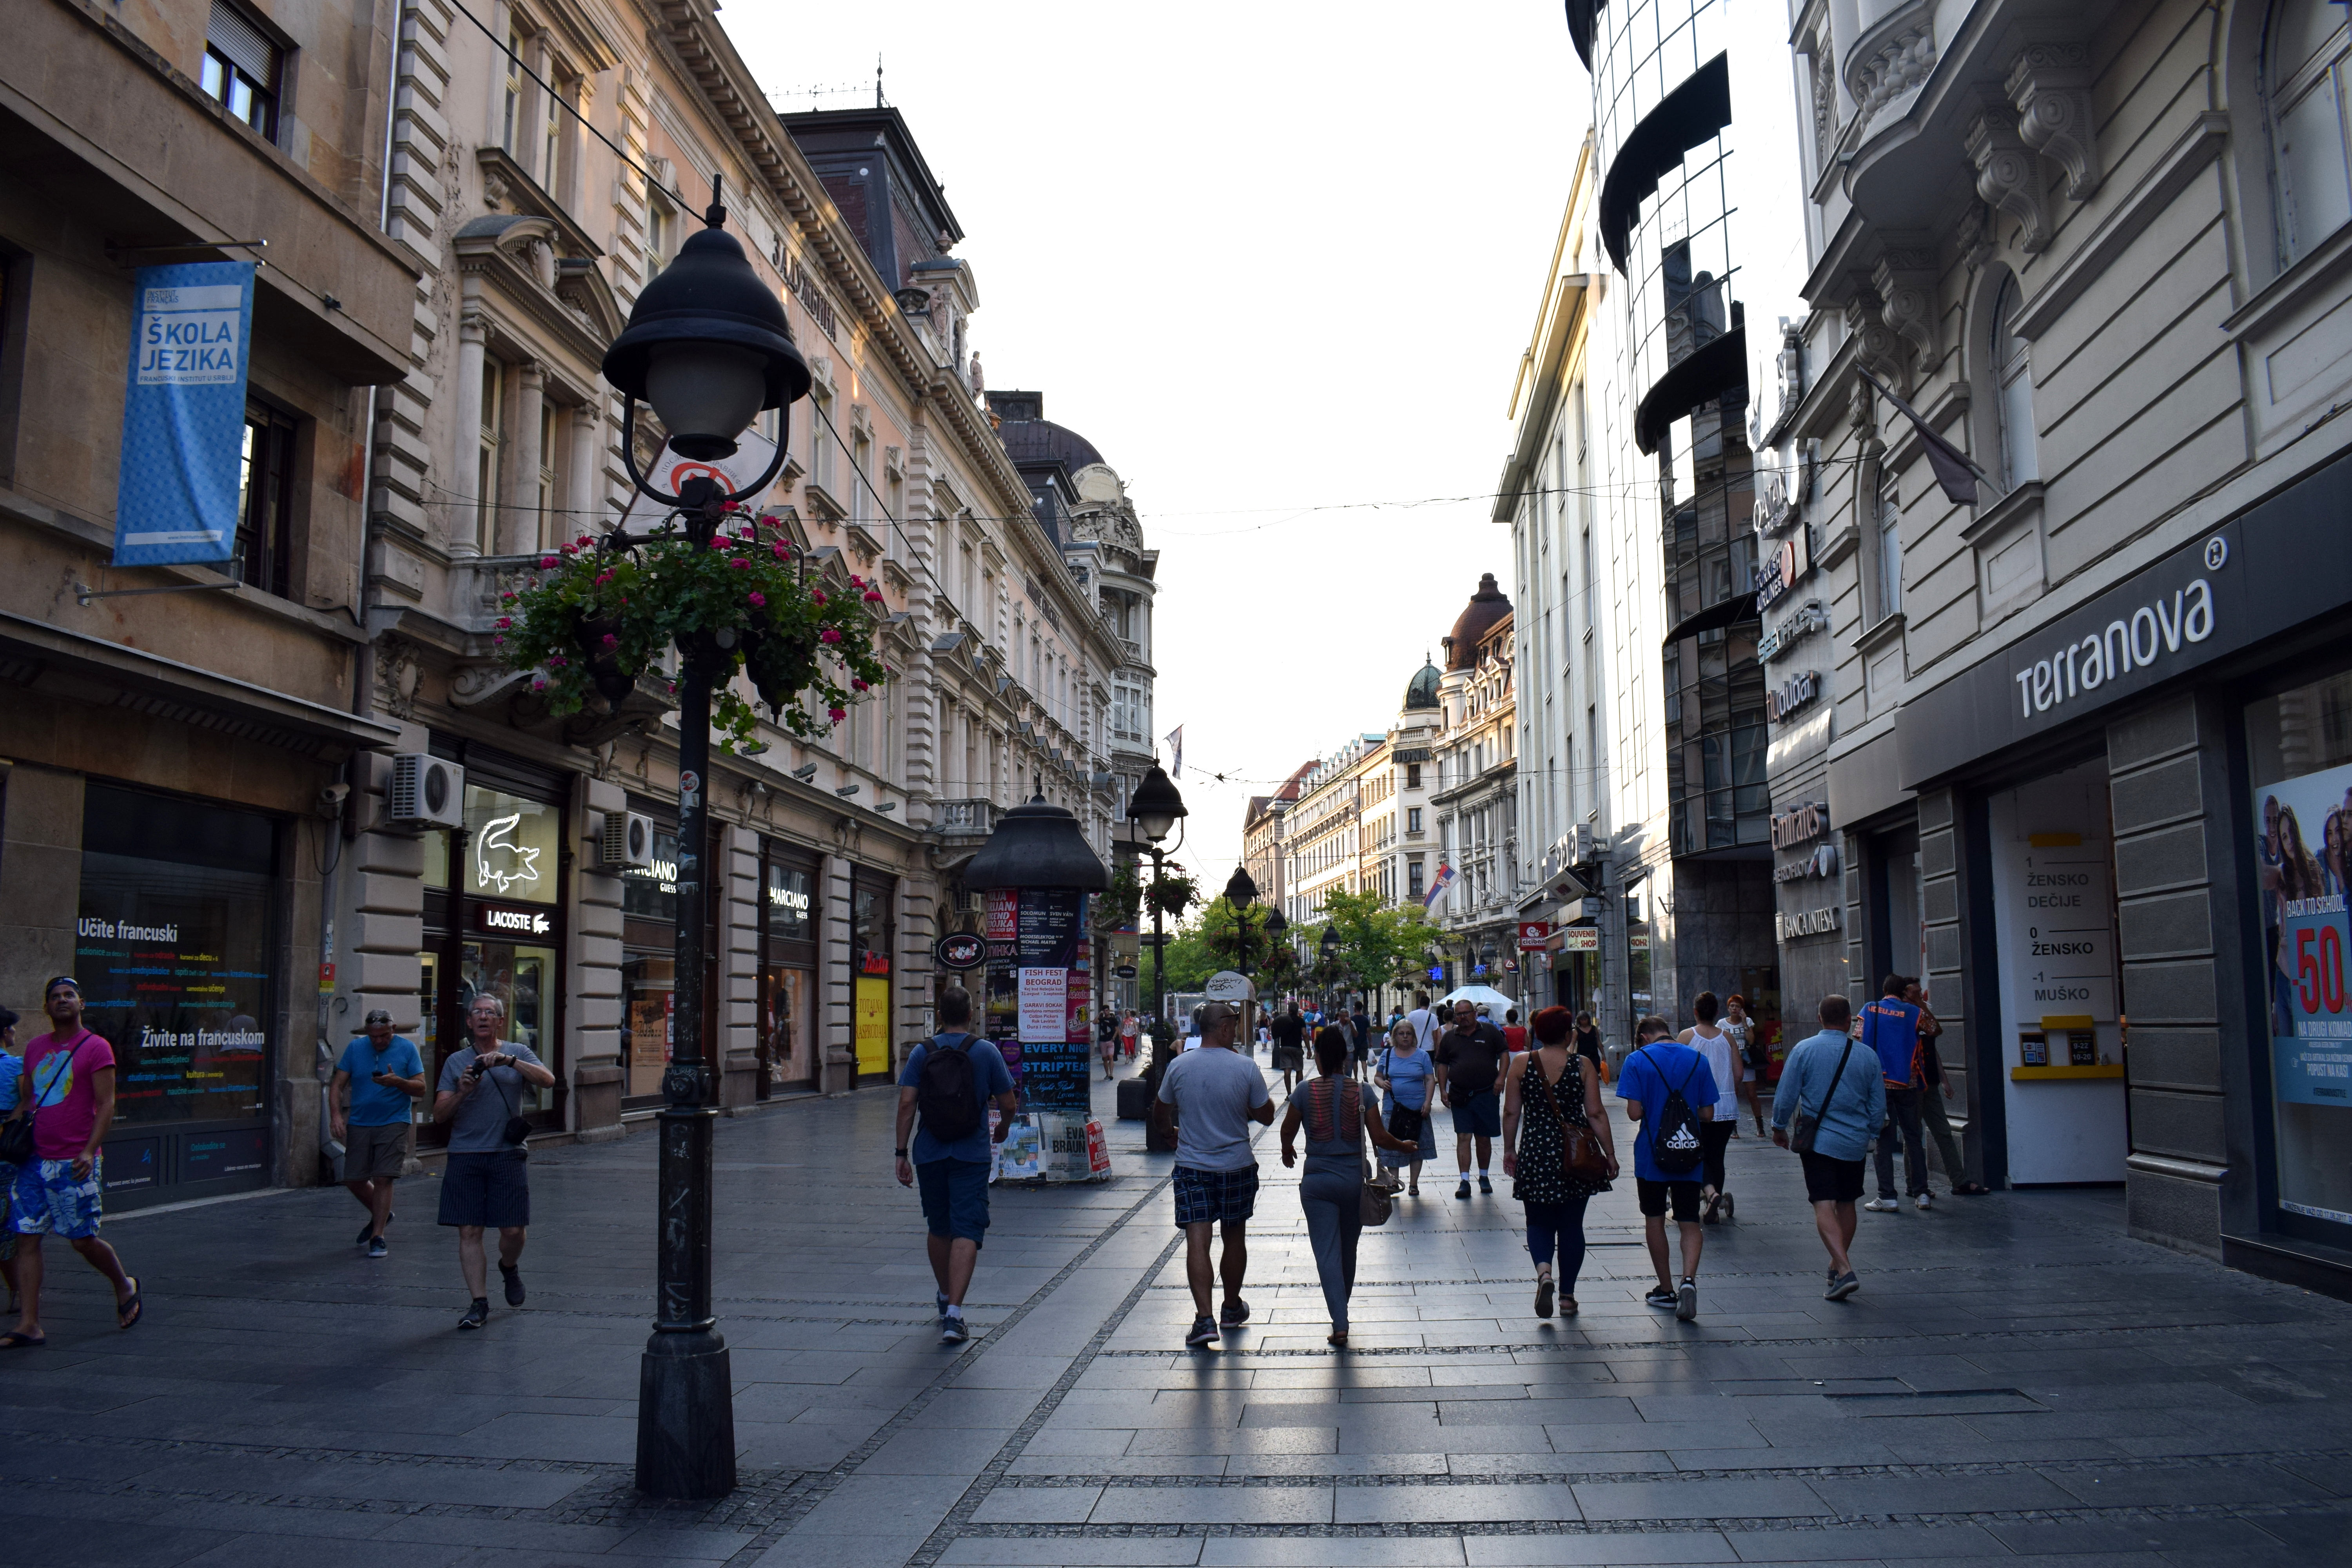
point(1478, 996)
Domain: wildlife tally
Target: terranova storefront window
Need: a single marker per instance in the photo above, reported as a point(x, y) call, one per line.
point(2299, 754)
point(172, 941)
point(648, 968)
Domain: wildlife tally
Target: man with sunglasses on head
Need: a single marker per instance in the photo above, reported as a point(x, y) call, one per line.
point(385, 1076)
point(67, 1087)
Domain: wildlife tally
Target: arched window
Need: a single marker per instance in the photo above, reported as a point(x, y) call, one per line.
point(2304, 67)
point(2012, 371)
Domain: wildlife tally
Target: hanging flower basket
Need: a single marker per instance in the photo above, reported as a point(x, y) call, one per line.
point(595, 623)
point(1173, 892)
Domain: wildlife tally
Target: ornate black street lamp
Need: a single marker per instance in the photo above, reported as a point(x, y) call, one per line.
point(707, 347)
point(1157, 807)
point(1241, 892)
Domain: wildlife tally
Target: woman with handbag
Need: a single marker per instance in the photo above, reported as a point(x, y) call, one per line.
point(1557, 1149)
point(1406, 1073)
point(1338, 1120)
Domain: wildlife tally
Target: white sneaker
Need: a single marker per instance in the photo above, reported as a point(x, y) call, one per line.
point(1884, 1205)
point(1925, 1201)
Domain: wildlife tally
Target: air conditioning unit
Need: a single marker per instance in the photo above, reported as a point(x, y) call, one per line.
point(627, 840)
point(425, 792)
point(1580, 844)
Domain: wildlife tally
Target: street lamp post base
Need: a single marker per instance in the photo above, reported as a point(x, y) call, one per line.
point(686, 1417)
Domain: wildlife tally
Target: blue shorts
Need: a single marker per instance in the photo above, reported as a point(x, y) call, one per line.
point(955, 1198)
point(1212, 1196)
point(45, 1200)
point(1478, 1114)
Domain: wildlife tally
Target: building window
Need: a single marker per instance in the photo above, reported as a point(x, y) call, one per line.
point(1890, 548)
point(861, 483)
point(2303, 71)
point(486, 468)
point(511, 99)
point(265, 502)
point(1413, 776)
point(661, 223)
point(550, 135)
point(550, 529)
point(820, 439)
point(2013, 369)
point(243, 68)
point(1412, 819)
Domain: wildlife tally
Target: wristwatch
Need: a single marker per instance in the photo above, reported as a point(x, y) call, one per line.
point(901, 1154)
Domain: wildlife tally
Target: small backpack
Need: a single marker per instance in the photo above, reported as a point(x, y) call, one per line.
point(947, 1094)
point(1675, 1146)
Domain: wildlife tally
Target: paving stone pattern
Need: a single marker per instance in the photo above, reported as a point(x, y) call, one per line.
point(2017, 1379)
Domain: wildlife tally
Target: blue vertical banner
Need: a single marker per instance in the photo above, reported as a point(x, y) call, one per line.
point(183, 419)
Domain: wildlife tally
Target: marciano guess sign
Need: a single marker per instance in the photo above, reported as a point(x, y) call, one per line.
point(2272, 568)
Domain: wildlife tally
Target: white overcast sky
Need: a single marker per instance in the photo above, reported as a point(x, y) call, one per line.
point(1269, 258)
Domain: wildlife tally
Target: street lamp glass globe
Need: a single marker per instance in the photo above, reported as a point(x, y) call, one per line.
point(1241, 891)
point(1156, 805)
point(705, 394)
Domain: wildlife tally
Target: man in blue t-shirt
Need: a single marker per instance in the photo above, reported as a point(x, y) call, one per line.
point(384, 1076)
point(1890, 1027)
point(1661, 1066)
point(953, 1173)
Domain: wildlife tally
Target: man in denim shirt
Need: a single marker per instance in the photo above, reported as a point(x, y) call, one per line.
point(1848, 1105)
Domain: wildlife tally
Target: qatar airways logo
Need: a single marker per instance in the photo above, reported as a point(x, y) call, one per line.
point(2150, 633)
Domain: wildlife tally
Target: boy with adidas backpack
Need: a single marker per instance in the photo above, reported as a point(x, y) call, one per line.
point(949, 1079)
point(1668, 1090)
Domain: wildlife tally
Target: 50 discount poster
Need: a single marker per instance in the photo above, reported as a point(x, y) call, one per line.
point(2303, 846)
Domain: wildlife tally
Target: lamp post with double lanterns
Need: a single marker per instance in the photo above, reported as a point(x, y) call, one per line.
point(1157, 807)
point(706, 346)
point(1241, 892)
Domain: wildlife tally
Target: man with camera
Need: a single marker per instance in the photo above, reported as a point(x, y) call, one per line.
point(384, 1076)
point(480, 1096)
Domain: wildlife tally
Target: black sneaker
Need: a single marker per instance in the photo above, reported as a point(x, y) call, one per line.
point(1841, 1287)
point(1204, 1332)
point(1662, 1297)
point(1463, 1190)
point(1485, 1186)
point(1686, 1299)
point(1234, 1313)
point(366, 1234)
point(376, 1248)
point(476, 1315)
point(513, 1278)
point(953, 1331)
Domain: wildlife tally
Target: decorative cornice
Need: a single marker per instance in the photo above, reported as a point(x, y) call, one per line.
point(1891, 57)
point(2009, 177)
point(1905, 280)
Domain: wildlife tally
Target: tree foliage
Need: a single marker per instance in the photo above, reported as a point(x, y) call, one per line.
point(1378, 946)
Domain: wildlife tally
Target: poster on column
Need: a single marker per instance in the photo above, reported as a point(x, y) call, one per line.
point(177, 495)
point(1054, 1069)
point(2301, 846)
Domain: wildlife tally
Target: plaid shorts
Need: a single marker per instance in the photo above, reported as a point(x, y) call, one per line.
point(1206, 1196)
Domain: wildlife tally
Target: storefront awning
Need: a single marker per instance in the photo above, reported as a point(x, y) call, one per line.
point(46, 659)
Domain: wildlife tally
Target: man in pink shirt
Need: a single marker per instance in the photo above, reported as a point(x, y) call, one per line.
point(68, 1089)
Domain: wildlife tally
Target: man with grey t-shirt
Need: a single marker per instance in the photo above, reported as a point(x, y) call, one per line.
point(483, 1087)
point(1214, 1094)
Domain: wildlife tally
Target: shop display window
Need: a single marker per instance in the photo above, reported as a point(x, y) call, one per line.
point(172, 944)
point(511, 847)
point(2299, 821)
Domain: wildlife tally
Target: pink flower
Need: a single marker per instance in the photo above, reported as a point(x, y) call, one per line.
point(836, 714)
point(603, 578)
point(830, 633)
point(538, 683)
point(505, 621)
point(611, 641)
point(739, 564)
point(584, 542)
point(857, 684)
point(872, 597)
point(782, 553)
point(548, 561)
point(495, 641)
point(571, 550)
point(758, 600)
point(855, 581)
point(557, 663)
point(816, 596)
point(721, 542)
point(507, 598)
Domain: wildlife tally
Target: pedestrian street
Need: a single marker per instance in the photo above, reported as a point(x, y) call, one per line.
point(2016, 1379)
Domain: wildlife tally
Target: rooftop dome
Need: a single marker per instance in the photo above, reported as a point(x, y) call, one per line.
point(1420, 692)
point(1486, 610)
point(1029, 437)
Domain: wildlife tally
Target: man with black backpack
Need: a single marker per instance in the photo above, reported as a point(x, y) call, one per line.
point(1668, 1090)
point(949, 1079)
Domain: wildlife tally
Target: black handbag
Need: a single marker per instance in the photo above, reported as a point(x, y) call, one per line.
point(1805, 1124)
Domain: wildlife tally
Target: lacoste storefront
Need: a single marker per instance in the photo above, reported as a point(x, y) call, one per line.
point(2133, 855)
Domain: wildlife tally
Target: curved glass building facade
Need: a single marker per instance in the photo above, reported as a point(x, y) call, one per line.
point(1662, 111)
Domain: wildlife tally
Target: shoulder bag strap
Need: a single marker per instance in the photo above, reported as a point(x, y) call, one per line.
point(1844, 1057)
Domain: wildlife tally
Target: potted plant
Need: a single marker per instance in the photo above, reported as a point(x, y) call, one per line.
point(594, 622)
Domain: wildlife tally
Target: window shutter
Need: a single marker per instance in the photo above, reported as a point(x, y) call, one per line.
point(246, 49)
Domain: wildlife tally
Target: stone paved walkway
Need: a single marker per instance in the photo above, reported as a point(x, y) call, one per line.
point(2017, 1379)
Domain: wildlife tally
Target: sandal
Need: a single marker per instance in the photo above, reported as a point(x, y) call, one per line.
point(13, 1341)
point(1336, 1337)
point(130, 1310)
point(1567, 1306)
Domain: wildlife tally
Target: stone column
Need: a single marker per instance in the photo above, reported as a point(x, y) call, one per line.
point(585, 503)
point(40, 883)
point(519, 524)
point(836, 1051)
point(739, 979)
point(2168, 784)
point(596, 997)
point(465, 511)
